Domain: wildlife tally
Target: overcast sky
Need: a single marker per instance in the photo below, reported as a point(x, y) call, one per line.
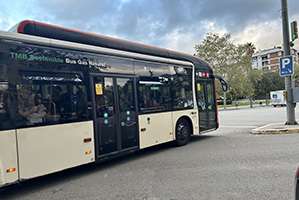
point(174, 24)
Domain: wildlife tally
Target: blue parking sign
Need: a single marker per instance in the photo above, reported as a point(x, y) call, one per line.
point(286, 66)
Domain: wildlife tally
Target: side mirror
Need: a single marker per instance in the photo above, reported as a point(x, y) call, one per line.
point(223, 85)
point(222, 81)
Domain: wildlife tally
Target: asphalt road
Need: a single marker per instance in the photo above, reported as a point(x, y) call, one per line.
point(229, 163)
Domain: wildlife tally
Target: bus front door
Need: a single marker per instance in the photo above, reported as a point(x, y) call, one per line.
point(115, 114)
point(206, 104)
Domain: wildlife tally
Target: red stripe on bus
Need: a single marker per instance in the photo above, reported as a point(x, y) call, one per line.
point(22, 25)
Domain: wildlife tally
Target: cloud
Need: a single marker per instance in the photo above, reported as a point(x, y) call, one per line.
point(175, 24)
point(6, 24)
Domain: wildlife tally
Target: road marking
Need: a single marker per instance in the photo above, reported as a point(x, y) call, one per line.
point(237, 126)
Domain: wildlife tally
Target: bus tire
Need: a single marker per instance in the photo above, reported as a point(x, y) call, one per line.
point(183, 132)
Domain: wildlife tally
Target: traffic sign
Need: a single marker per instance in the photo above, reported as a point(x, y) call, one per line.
point(286, 66)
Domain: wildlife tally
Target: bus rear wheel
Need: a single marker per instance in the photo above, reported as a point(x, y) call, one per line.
point(183, 132)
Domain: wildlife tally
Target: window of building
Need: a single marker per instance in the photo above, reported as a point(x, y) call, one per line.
point(264, 58)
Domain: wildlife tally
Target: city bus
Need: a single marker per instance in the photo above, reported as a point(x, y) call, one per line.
point(69, 98)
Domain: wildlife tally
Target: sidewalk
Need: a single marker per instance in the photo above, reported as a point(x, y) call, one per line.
point(277, 128)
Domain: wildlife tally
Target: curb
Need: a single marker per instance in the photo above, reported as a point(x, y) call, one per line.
point(241, 107)
point(277, 128)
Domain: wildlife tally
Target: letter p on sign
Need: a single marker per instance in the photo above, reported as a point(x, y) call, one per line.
point(285, 62)
point(286, 66)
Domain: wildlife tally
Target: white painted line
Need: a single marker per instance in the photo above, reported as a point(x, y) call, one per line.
point(237, 126)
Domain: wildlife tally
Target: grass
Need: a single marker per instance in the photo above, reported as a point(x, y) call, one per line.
point(241, 104)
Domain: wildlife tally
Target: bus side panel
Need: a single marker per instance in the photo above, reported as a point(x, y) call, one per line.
point(192, 115)
point(158, 129)
point(8, 157)
point(47, 149)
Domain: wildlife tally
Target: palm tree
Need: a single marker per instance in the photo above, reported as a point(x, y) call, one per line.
point(250, 48)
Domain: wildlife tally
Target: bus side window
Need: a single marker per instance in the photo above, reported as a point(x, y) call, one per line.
point(182, 88)
point(7, 98)
point(6, 107)
point(154, 86)
point(154, 96)
point(42, 101)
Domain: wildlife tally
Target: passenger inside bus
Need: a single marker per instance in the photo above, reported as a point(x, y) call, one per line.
point(67, 99)
point(54, 101)
point(81, 105)
point(30, 106)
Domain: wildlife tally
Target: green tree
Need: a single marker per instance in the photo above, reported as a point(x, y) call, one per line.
point(216, 50)
point(269, 81)
point(240, 85)
point(250, 48)
point(245, 52)
point(255, 77)
point(231, 61)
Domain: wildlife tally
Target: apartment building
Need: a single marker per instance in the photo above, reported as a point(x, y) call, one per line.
point(269, 58)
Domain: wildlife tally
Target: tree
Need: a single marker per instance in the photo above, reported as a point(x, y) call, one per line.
point(255, 78)
point(250, 48)
point(216, 50)
point(240, 85)
point(245, 52)
point(269, 81)
point(231, 61)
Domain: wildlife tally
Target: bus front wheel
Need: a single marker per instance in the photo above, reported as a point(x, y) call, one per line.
point(183, 132)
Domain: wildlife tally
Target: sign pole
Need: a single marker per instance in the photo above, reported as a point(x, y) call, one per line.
point(286, 49)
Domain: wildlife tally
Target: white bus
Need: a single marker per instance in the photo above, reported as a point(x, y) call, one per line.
point(69, 98)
